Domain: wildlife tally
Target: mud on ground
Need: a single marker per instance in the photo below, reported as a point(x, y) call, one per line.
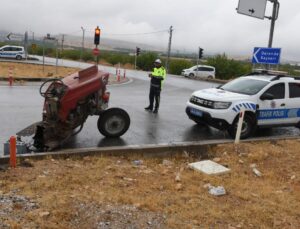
point(133, 192)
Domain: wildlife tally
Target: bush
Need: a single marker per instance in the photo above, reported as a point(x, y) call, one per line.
point(176, 66)
point(88, 56)
point(71, 54)
point(228, 68)
point(145, 61)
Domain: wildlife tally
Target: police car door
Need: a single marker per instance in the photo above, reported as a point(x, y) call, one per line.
point(293, 102)
point(272, 106)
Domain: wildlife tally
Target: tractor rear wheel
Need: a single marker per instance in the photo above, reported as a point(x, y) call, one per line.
point(113, 122)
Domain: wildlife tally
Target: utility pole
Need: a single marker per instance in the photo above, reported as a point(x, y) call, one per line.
point(273, 19)
point(169, 48)
point(56, 63)
point(62, 42)
point(198, 57)
point(32, 35)
point(82, 45)
point(26, 44)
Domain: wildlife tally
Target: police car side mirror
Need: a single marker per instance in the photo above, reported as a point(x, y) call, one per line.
point(267, 96)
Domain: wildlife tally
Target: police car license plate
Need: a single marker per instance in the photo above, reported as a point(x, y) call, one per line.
point(196, 112)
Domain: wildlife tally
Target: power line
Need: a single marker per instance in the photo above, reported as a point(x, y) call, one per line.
point(135, 34)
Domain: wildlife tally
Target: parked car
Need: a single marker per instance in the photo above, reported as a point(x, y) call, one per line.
point(9, 51)
point(268, 99)
point(201, 71)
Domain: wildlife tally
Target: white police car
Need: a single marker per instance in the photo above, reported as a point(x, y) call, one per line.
point(269, 100)
point(9, 51)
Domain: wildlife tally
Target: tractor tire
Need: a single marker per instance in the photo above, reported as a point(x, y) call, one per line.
point(113, 122)
point(248, 127)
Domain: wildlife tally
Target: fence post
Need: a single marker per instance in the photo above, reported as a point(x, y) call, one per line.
point(13, 151)
point(239, 127)
point(10, 76)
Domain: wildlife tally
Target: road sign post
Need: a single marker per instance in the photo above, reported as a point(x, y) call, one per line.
point(253, 8)
point(257, 8)
point(266, 56)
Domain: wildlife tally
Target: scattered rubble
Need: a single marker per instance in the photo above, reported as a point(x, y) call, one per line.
point(257, 172)
point(209, 167)
point(217, 191)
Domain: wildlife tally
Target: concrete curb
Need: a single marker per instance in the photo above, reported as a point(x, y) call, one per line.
point(158, 150)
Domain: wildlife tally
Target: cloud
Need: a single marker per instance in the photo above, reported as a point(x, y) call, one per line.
point(212, 24)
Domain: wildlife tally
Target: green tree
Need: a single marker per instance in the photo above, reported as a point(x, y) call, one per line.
point(228, 68)
point(176, 66)
point(145, 61)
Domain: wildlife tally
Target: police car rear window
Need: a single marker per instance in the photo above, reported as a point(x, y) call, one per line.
point(245, 86)
point(294, 90)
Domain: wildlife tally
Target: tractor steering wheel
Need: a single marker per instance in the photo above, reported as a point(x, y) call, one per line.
point(50, 93)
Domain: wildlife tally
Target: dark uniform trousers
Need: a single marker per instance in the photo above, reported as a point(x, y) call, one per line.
point(154, 94)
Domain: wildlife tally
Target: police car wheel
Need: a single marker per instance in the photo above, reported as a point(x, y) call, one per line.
point(248, 127)
point(113, 122)
point(19, 57)
point(191, 75)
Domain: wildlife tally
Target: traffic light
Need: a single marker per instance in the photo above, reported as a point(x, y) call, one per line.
point(138, 50)
point(200, 53)
point(97, 36)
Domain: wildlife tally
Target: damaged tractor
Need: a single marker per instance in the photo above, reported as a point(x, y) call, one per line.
point(67, 105)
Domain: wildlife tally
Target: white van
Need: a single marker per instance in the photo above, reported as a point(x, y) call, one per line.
point(9, 51)
point(201, 71)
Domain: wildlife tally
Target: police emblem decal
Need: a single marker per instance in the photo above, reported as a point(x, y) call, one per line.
point(273, 104)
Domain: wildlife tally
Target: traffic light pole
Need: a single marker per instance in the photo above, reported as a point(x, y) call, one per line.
point(97, 57)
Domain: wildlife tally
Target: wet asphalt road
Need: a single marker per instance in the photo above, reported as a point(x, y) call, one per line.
point(22, 106)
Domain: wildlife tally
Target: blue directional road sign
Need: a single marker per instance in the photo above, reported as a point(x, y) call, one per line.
point(266, 55)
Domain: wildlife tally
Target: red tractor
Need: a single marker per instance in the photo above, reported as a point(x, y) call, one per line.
point(68, 103)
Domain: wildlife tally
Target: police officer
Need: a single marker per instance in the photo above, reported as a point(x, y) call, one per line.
point(157, 76)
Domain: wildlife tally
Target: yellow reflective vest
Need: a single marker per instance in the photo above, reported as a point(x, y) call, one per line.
point(158, 76)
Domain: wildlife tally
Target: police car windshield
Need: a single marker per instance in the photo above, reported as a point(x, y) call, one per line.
point(245, 86)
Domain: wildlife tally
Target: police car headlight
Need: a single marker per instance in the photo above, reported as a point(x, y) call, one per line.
point(221, 105)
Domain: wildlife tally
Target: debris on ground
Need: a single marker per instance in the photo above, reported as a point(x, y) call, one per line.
point(209, 167)
point(167, 163)
point(112, 192)
point(217, 191)
point(257, 172)
point(137, 162)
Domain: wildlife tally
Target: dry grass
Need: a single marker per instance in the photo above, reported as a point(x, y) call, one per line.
point(34, 70)
point(270, 201)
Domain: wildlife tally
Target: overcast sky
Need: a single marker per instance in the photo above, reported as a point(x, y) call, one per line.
point(213, 25)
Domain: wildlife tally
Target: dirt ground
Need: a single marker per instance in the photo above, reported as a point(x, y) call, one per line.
point(134, 192)
point(33, 70)
point(36, 71)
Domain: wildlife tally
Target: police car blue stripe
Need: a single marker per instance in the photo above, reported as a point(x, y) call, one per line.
point(234, 109)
